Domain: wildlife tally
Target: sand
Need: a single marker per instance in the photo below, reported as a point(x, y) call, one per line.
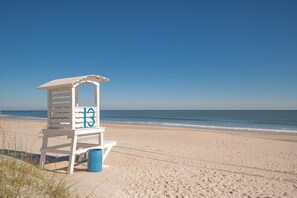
point(152, 161)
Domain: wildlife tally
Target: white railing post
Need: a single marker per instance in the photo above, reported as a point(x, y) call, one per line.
point(97, 104)
point(73, 108)
point(49, 108)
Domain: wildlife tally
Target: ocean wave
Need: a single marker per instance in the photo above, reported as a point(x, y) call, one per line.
point(209, 127)
point(22, 117)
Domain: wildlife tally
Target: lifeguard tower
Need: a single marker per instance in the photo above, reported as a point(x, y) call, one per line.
point(67, 118)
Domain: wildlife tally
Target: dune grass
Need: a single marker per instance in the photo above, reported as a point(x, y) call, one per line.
point(20, 176)
point(22, 179)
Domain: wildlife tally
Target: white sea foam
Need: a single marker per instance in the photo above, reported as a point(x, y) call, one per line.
point(211, 127)
point(233, 128)
point(20, 117)
point(33, 118)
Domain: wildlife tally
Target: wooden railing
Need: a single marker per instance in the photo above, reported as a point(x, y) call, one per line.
point(85, 122)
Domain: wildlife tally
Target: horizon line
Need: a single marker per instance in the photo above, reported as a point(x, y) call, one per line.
point(165, 110)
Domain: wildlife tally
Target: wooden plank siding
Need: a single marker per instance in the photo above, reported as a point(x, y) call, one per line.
point(60, 108)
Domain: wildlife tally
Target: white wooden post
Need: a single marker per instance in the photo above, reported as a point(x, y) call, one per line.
point(43, 150)
point(72, 154)
point(49, 108)
point(45, 137)
point(76, 97)
point(73, 108)
point(97, 103)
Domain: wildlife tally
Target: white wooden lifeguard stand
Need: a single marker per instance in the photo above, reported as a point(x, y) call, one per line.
point(66, 118)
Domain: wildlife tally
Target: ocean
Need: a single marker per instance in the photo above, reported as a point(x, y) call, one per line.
point(283, 121)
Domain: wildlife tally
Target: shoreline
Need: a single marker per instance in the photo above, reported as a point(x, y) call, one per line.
point(278, 136)
point(181, 126)
point(217, 128)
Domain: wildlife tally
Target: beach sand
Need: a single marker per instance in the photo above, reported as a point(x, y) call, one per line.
point(152, 161)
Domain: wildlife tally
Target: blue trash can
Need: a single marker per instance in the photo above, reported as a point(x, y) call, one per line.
point(95, 160)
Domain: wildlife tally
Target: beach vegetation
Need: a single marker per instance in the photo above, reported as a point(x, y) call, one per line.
point(20, 176)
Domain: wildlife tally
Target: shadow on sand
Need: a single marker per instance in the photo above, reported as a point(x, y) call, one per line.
point(32, 157)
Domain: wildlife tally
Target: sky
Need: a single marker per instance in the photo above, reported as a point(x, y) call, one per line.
point(157, 54)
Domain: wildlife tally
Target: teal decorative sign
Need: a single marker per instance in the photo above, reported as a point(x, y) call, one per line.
point(92, 123)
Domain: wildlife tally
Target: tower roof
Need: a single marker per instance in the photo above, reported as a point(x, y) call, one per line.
point(73, 81)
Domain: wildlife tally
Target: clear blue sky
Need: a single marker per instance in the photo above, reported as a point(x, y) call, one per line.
point(158, 54)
